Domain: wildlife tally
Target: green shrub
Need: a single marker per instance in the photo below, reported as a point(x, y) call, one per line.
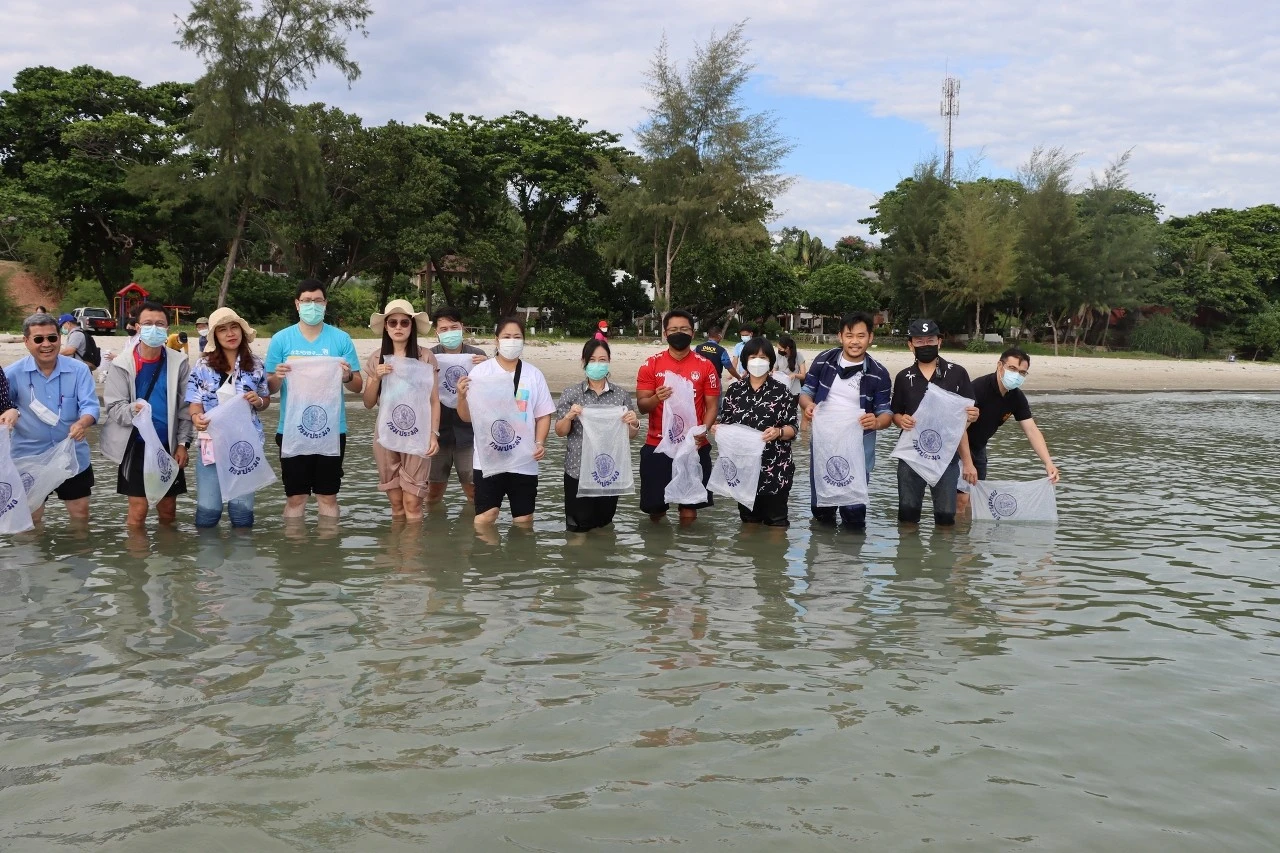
point(10, 314)
point(1164, 335)
point(351, 304)
point(977, 344)
point(772, 329)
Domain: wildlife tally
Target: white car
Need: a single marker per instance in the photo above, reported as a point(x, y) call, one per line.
point(96, 320)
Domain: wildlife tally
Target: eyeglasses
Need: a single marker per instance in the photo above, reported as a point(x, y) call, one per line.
point(1023, 373)
point(320, 301)
point(399, 323)
point(40, 339)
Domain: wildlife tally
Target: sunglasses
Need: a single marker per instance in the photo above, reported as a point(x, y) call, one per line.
point(399, 323)
point(40, 339)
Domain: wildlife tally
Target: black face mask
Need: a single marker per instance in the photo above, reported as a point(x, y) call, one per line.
point(927, 355)
point(679, 340)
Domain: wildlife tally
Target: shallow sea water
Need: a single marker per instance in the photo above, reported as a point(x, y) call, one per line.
point(1108, 684)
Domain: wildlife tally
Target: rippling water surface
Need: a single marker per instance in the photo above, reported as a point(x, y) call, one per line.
point(1108, 684)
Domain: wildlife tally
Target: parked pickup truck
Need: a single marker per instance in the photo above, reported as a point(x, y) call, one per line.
point(96, 320)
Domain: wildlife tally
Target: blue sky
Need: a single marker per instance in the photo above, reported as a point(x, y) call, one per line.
point(1188, 85)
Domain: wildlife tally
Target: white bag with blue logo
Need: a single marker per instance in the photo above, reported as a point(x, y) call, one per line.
point(15, 516)
point(452, 369)
point(736, 473)
point(503, 439)
point(1000, 501)
point(159, 470)
point(237, 450)
point(839, 464)
point(404, 406)
point(43, 473)
point(686, 486)
point(313, 412)
point(606, 453)
point(679, 415)
point(940, 424)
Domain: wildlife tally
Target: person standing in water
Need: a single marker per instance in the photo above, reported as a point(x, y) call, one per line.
point(402, 476)
point(455, 434)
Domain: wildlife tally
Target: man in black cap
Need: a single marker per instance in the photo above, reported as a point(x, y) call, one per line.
point(924, 338)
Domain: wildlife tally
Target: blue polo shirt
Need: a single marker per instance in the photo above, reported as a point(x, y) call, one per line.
point(68, 390)
point(289, 343)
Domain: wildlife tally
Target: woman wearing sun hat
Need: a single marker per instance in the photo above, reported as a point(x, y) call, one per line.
point(227, 368)
point(403, 476)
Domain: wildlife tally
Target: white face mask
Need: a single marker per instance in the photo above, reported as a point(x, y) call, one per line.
point(44, 413)
point(757, 366)
point(510, 348)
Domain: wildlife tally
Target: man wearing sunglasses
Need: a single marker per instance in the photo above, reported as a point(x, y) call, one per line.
point(997, 396)
point(56, 400)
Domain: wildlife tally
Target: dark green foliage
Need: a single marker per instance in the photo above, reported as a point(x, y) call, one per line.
point(1163, 335)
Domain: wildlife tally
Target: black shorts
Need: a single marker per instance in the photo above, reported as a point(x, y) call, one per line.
point(769, 510)
point(655, 474)
point(521, 490)
point(313, 474)
point(583, 514)
point(77, 487)
point(129, 475)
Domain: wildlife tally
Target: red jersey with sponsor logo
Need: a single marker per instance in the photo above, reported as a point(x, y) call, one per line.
point(693, 367)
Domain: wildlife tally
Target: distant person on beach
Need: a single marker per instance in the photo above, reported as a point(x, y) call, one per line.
point(745, 333)
point(73, 346)
point(602, 331)
point(712, 350)
point(998, 396)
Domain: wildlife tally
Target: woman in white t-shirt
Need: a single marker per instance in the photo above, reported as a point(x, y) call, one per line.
point(792, 363)
point(534, 408)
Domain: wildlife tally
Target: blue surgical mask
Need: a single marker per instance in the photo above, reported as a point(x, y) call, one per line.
point(451, 339)
point(597, 370)
point(311, 313)
point(1012, 381)
point(153, 336)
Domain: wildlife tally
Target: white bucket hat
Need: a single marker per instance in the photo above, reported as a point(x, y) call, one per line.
point(222, 317)
point(401, 306)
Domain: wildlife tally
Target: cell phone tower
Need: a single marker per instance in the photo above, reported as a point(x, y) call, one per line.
point(950, 109)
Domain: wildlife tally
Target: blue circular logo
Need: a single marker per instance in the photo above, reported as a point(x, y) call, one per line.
point(28, 480)
point(677, 428)
point(604, 466)
point(451, 377)
point(502, 432)
point(930, 441)
point(241, 454)
point(314, 418)
point(403, 417)
point(729, 469)
point(1003, 505)
point(6, 492)
point(838, 469)
point(164, 464)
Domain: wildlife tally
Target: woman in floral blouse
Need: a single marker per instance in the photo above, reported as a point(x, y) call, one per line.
point(763, 404)
point(227, 369)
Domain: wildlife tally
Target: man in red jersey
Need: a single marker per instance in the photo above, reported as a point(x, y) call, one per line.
point(680, 359)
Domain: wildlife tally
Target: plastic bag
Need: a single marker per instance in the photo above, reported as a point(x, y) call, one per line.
point(237, 450)
point(503, 439)
point(736, 473)
point(452, 369)
point(940, 424)
point(15, 515)
point(159, 470)
point(686, 485)
point(404, 406)
point(43, 473)
point(679, 415)
point(782, 377)
point(606, 453)
point(1001, 501)
point(313, 412)
point(839, 464)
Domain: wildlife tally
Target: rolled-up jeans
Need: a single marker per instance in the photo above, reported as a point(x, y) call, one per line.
point(209, 501)
point(911, 488)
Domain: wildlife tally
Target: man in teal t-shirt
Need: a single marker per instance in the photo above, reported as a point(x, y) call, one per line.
point(313, 474)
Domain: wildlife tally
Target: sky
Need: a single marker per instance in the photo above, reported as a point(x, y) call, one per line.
point(1188, 87)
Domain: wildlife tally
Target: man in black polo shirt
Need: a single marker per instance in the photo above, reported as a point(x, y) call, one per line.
point(999, 395)
point(908, 390)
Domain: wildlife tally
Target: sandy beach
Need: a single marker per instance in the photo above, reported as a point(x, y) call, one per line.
point(560, 363)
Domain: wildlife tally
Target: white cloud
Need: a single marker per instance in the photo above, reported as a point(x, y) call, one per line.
point(826, 209)
point(1188, 84)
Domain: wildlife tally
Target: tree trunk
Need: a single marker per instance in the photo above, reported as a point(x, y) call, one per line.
point(1053, 326)
point(384, 290)
point(231, 255)
point(977, 320)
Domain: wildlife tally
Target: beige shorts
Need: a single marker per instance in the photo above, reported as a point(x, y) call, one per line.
point(402, 471)
point(446, 459)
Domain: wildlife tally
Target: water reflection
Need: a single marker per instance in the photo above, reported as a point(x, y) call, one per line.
point(370, 685)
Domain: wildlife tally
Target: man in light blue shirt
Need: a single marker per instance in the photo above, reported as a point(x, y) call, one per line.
point(56, 399)
point(311, 474)
point(745, 333)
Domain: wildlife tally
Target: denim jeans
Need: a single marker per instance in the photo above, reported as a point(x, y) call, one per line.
point(209, 500)
point(854, 515)
point(911, 488)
